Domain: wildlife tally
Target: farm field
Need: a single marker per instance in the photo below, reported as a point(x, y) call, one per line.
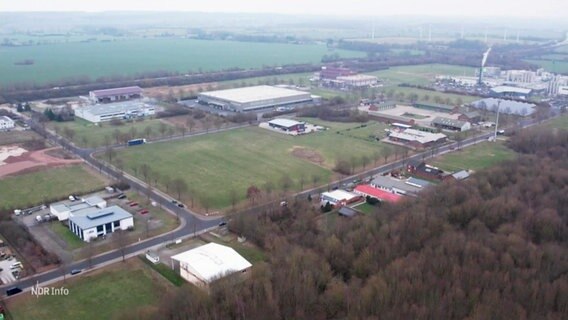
point(37, 187)
point(433, 94)
point(123, 289)
point(13, 137)
point(480, 156)
point(213, 165)
point(551, 66)
point(130, 57)
point(559, 122)
point(421, 74)
point(89, 135)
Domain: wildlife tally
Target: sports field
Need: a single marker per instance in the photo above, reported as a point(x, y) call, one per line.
point(37, 187)
point(89, 135)
point(124, 289)
point(480, 156)
point(422, 74)
point(131, 57)
point(214, 164)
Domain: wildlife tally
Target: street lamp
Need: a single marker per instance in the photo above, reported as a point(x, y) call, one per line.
point(497, 121)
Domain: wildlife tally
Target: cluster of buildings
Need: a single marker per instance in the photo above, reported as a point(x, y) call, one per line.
point(115, 104)
point(256, 98)
point(344, 78)
point(90, 218)
point(6, 123)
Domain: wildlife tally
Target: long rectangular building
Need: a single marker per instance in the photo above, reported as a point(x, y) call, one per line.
point(253, 98)
point(91, 223)
point(110, 111)
point(417, 138)
point(115, 94)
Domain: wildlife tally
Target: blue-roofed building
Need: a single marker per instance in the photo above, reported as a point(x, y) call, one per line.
point(94, 222)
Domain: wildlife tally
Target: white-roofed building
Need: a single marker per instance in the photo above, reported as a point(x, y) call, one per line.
point(93, 222)
point(506, 106)
point(357, 81)
point(254, 98)
point(115, 94)
point(338, 198)
point(63, 209)
point(6, 123)
point(205, 264)
point(287, 125)
point(110, 111)
point(509, 91)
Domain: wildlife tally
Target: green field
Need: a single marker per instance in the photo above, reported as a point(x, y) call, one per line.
point(63, 232)
point(105, 295)
point(480, 156)
point(366, 208)
point(130, 57)
point(551, 66)
point(559, 122)
point(214, 164)
point(421, 74)
point(37, 187)
point(88, 134)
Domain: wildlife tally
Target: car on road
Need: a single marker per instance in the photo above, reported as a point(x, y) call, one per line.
point(174, 201)
point(12, 291)
point(181, 205)
point(75, 271)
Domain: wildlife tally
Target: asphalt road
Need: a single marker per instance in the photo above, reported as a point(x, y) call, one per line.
point(191, 223)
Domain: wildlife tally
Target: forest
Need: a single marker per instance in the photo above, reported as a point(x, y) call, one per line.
point(494, 246)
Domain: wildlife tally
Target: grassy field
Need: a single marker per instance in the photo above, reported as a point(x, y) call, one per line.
point(421, 93)
point(551, 66)
point(559, 122)
point(480, 156)
point(13, 137)
point(215, 164)
point(89, 135)
point(131, 57)
point(37, 187)
point(367, 208)
point(421, 74)
point(63, 232)
point(109, 294)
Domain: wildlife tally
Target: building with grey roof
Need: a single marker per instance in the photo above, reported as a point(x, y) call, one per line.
point(254, 98)
point(119, 110)
point(461, 175)
point(63, 209)
point(451, 124)
point(6, 123)
point(396, 186)
point(506, 106)
point(94, 222)
point(115, 94)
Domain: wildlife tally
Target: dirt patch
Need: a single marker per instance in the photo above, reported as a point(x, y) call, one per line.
point(308, 155)
point(31, 160)
point(60, 154)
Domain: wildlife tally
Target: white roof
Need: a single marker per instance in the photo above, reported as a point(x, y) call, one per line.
point(212, 261)
point(417, 135)
point(340, 195)
point(6, 119)
point(118, 107)
point(284, 122)
point(357, 77)
point(501, 89)
point(256, 93)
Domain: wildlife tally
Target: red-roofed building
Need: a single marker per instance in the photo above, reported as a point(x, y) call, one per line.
point(367, 190)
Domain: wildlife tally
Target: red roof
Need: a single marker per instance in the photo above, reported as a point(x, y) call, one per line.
point(377, 193)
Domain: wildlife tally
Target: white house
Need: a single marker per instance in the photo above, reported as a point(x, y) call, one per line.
point(338, 197)
point(93, 222)
point(203, 265)
point(6, 123)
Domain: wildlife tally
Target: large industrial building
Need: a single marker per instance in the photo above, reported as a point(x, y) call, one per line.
point(110, 111)
point(356, 81)
point(94, 222)
point(509, 91)
point(115, 94)
point(203, 265)
point(6, 123)
point(254, 98)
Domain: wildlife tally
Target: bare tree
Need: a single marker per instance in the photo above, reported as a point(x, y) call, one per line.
point(302, 181)
point(233, 196)
point(315, 180)
point(90, 253)
point(190, 123)
point(145, 171)
point(162, 128)
point(180, 187)
point(116, 134)
point(148, 132)
point(286, 183)
point(364, 161)
point(109, 154)
point(182, 129)
point(121, 241)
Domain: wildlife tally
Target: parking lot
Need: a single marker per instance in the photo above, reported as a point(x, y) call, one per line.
point(7, 273)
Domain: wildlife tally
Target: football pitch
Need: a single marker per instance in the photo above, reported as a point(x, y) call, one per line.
point(215, 166)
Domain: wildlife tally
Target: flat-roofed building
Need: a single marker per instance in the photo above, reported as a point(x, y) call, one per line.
point(357, 81)
point(110, 111)
point(63, 209)
point(367, 190)
point(205, 264)
point(338, 198)
point(416, 138)
point(434, 107)
point(506, 106)
point(115, 94)
point(509, 91)
point(397, 186)
point(254, 98)
point(93, 222)
point(451, 124)
point(287, 125)
point(6, 123)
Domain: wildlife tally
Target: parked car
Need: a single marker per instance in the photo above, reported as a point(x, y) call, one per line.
point(121, 196)
point(75, 271)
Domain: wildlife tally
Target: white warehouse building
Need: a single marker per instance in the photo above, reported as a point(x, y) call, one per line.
point(254, 98)
point(63, 209)
point(110, 111)
point(6, 123)
point(203, 265)
point(93, 222)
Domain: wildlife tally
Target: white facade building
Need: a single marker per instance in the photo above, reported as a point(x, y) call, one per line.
point(203, 265)
point(93, 222)
point(63, 209)
point(6, 123)
point(110, 111)
point(338, 197)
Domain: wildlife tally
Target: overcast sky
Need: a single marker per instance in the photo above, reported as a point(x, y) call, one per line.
point(478, 8)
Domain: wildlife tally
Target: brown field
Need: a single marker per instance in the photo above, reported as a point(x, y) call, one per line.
point(32, 161)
